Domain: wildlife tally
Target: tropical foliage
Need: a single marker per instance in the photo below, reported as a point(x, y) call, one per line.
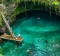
point(0, 21)
point(35, 4)
point(25, 5)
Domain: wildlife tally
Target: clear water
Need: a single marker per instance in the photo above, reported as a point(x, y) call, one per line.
point(40, 33)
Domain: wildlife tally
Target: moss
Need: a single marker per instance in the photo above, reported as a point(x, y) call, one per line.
point(0, 21)
point(37, 4)
point(17, 1)
point(55, 3)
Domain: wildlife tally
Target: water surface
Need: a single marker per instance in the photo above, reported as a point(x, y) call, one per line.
point(40, 33)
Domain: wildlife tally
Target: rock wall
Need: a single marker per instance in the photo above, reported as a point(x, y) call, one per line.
point(43, 6)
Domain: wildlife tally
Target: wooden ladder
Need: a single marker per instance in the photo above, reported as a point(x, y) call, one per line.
point(3, 17)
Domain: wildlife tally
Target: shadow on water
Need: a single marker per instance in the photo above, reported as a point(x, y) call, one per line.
point(45, 16)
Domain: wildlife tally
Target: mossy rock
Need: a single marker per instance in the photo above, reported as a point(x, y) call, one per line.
point(0, 21)
point(0, 1)
point(55, 3)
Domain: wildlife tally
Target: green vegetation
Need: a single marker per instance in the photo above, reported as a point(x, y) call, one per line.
point(53, 6)
point(55, 3)
point(0, 21)
point(0, 1)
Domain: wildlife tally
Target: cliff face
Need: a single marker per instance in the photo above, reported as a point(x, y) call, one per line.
point(23, 6)
point(52, 6)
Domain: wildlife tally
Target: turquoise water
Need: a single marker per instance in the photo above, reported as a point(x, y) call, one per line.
point(40, 33)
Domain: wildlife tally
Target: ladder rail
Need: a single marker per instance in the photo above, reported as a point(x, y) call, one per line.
point(3, 17)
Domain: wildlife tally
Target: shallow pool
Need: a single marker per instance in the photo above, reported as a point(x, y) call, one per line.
point(40, 33)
